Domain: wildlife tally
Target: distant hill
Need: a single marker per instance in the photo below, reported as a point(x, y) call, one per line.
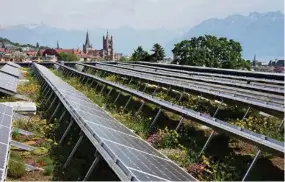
point(259, 33)
point(7, 43)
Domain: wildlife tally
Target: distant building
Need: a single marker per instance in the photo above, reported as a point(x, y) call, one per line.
point(107, 53)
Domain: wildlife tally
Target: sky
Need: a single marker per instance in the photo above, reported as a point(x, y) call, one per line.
point(138, 14)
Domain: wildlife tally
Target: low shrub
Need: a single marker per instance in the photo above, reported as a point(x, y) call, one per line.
point(45, 161)
point(40, 151)
point(16, 166)
point(48, 170)
point(165, 139)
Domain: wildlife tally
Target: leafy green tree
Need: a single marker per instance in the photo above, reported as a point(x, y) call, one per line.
point(63, 56)
point(123, 59)
point(140, 55)
point(210, 51)
point(158, 54)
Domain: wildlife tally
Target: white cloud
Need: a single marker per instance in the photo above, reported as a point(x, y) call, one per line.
point(146, 14)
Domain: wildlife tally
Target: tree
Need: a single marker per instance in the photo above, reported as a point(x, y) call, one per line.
point(158, 54)
point(123, 59)
point(63, 56)
point(140, 55)
point(210, 51)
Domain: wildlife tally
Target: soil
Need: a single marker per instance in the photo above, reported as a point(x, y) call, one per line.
point(33, 176)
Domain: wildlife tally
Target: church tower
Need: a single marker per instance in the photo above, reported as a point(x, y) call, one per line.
point(87, 44)
point(108, 47)
point(57, 45)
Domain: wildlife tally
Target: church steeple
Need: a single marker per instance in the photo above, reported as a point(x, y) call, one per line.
point(87, 41)
point(57, 45)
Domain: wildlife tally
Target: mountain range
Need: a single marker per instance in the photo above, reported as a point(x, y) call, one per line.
point(259, 33)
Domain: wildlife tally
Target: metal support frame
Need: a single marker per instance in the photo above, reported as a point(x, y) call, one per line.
point(181, 96)
point(73, 151)
point(212, 133)
point(91, 84)
point(145, 87)
point(110, 91)
point(169, 90)
point(93, 165)
point(103, 75)
point(138, 83)
point(143, 103)
point(117, 97)
point(180, 123)
point(130, 81)
point(53, 114)
point(49, 96)
point(51, 104)
point(246, 113)
point(251, 165)
point(281, 124)
point(97, 85)
point(103, 89)
point(156, 117)
point(62, 115)
point(155, 90)
point(66, 131)
point(127, 102)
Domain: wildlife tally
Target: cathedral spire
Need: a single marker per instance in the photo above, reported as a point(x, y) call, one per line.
point(57, 45)
point(87, 42)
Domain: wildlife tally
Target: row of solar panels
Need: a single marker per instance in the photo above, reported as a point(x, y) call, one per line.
point(262, 75)
point(6, 114)
point(269, 88)
point(259, 140)
point(274, 106)
point(9, 78)
point(129, 156)
point(239, 79)
point(260, 95)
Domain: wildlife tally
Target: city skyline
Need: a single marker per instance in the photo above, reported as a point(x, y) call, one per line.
point(137, 14)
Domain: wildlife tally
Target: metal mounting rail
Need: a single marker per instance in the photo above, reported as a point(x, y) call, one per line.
point(275, 76)
point(233, 77)
point(66, 97)
point(232, 83)
point(263, 142)
point(267, 107)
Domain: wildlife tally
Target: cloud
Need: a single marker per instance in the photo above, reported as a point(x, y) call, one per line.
point(140, 14)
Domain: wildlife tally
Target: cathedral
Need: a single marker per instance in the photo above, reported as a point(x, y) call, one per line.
point(106, 53)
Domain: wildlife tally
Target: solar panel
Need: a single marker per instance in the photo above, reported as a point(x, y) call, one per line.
point(14, 65)
point(134, 156)
point(6, 114)
point(11, 70)
point(8, 83)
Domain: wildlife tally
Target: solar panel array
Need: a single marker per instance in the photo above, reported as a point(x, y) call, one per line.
point(277, 89)
point(266, 143)
point(14, 65)
point(128, 155)
point(260, 100)
point(11, 70)
point(6, 114)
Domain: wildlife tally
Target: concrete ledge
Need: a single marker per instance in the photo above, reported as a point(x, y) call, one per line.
point(22, 107)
